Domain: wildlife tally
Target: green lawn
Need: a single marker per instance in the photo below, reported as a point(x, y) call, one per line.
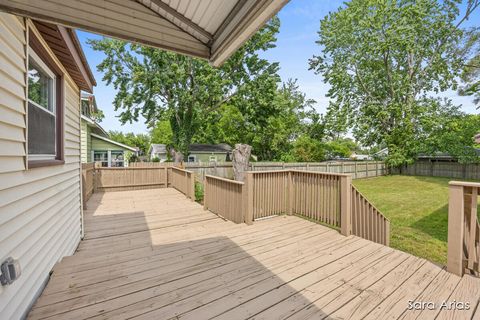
point(418, 210)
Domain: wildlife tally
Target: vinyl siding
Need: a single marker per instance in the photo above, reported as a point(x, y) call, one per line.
point(102, 145)
point(39, 208)
point(86, 142)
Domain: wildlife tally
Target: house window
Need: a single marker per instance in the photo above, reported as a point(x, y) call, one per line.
point(117, 159)
point(41, 110)
point(102, 157)
point(192, 158)
point(45, 114)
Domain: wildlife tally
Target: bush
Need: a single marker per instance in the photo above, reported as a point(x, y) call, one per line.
point(198, 191)
point(156, 159)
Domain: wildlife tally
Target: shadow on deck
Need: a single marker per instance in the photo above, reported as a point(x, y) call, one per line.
point(153, 254)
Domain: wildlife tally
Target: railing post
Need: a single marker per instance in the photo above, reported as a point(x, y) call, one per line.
point(456, 216)
point(166, 177)
point(192, 186)
point(345, 205)
point(205, 187)
point(290, 193)
point(248, 198)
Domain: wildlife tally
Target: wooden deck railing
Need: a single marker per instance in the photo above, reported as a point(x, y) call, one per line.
point(463, 228)
point(183, 181)
point(117, 179)
point(367, 221)
point(224, 197)
point(88, 175)
point(317, 196)
point(324, 197)
point(270, 193)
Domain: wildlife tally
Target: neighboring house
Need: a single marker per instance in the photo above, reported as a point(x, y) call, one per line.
point(381, 154)
point(158, 151)
point(198, 152)
point(42, 72)
point(360, 157)
point(96, 146)
point(209, 153)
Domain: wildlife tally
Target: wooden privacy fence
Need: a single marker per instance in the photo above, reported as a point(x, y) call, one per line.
point(88, 175)
point(463, 228)
point(323, 197)
point(448, 169)
point(183, 181)
point(224, 197)
point(367, 221)
point(358, 169)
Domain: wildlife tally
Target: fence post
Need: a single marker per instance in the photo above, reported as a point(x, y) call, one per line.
point(290, 193)
point(456, 216)
point(345, 205)
point(248, 198)
point(376, 168)
point(356, 170)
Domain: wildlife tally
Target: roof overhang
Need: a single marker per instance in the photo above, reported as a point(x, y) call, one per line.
point(66, 47)
point(211, 30)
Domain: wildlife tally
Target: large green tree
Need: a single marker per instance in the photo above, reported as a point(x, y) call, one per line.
point(268, 117)
point(383, 59)
point(471, 72)
point(162, 85)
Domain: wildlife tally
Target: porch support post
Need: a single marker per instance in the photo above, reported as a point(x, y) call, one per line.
point(346, 205)
point(456, 216)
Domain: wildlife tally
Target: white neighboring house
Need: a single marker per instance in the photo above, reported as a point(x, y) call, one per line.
point(158, 151)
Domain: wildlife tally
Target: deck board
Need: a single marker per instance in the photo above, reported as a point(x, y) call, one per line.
point(153, 254)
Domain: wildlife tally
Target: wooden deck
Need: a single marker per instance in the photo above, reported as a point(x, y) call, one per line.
point(153, 254)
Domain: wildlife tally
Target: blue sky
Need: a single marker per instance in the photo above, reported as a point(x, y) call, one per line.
point(300, 21)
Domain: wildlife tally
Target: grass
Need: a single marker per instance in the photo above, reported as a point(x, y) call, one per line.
point(418, 211)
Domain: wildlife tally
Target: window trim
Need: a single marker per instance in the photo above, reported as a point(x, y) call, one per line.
point(35, 47)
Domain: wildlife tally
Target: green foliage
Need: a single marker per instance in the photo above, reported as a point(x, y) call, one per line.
point(340, 148)
point(97, 116)
point(131, 157)
point(382, 59)
point(199, 193)
point(161, 85)
point(306, 149)
point(455, 137)
point(156, 159)
point(269, 119)
point(162, 133)
point(471, 72)
point(140, 140)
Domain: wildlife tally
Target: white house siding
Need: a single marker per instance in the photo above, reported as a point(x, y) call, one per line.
point(39, 208)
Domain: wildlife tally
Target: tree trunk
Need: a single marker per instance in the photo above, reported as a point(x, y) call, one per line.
point(240, 160)
point(176, 156)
